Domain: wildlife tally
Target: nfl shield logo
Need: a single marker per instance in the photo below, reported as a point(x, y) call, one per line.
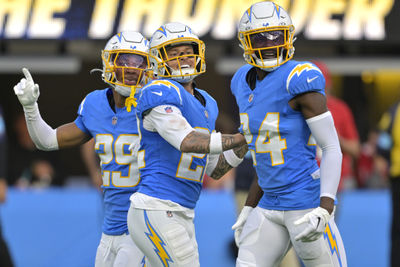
point(168, 110)
point(206, 113)
point(251, 96)
point(114, 120)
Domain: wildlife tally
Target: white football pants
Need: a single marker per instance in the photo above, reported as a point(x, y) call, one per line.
point(167, 238)
point(118, 251)
point(268, 234)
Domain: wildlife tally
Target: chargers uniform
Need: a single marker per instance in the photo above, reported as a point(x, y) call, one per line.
point(284, 157)
point(113, 133)
point(167, 173)
point(278, 136)
point(171, 180)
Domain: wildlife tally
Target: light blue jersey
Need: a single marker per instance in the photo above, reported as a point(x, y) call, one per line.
point(278, 136)
point(166, 173)
point(113, 133)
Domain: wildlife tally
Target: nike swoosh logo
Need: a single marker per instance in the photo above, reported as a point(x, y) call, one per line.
point(158, 93)
point(312, 79)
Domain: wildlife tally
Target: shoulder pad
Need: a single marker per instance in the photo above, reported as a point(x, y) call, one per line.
point(304, 77)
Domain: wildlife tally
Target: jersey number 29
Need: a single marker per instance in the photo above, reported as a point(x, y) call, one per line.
point(115, 150)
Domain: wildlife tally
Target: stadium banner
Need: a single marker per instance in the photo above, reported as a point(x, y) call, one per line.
point(212, 19)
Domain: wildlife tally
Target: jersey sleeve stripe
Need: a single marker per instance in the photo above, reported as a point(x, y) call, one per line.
point(81, 107)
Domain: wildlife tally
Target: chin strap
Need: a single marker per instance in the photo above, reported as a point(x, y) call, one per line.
point(131, 100)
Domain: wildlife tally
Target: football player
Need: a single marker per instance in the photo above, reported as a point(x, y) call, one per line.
point(283, 112)
point(178, 145)
point(102, 115)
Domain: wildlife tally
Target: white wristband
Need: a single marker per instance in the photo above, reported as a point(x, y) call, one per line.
point(215, 143)
point(231, 158)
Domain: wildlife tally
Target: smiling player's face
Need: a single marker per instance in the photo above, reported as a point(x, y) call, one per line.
point(181, 51)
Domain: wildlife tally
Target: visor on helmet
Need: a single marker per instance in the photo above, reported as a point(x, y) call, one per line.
point(267, 39)
point(130, 60)
point(125, 67)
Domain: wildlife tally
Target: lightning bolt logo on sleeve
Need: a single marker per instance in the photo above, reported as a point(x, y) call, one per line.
point(298, 70)
point(331, 238)
point(277, 9)
point(158, 243)
point(248, 12)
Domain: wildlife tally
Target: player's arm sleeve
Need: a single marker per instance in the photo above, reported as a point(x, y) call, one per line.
point(169, 123)
point(44, 136)
point(323, 130)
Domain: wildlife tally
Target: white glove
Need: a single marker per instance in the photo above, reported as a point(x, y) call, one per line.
point(238, 226)
point(26, 90)
point(316, 220)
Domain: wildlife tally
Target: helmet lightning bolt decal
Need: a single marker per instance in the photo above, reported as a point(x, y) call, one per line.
point(162, 30)
point(331, 238)
point(298, 70)
point(157, 242)
point(277, 9)
point(119, 36)
point(248, 12)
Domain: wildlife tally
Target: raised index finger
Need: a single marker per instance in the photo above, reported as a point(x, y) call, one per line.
point(27, 74)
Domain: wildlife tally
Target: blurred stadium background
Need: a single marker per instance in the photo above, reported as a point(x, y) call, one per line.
point(60, 41)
